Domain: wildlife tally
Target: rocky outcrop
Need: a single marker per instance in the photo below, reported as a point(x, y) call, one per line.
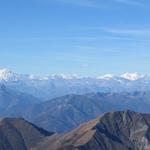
point(121, 130)
point(117, 130)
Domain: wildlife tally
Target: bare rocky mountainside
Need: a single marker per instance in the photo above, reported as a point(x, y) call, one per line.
point(122, 130)
point(18, 134)
point(117, 130)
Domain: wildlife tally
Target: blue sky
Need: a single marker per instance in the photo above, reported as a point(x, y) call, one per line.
point(84, 37)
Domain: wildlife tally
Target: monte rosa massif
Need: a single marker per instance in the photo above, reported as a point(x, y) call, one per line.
point(53, 86)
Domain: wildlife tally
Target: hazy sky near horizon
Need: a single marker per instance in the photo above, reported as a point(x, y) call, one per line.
point(84, 37)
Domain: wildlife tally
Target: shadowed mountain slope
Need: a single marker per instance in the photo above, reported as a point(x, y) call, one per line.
point(117, 130)
point(14, 103)
point(121, 130)
point(18, 134)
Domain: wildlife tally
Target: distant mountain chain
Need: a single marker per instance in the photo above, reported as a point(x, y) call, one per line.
point(60, 103)
point(53, 86)
point(8, 75)
point(116, 130)
point(67, 112)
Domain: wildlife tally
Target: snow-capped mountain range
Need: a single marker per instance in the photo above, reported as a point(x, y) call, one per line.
point(59, 85)
point(8, 75)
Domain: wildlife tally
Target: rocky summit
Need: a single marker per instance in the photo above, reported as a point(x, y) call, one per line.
point(121, 130)
point(117, 130)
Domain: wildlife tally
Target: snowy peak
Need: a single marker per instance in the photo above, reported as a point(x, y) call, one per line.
point(6, 75)
point(106, 77)
point(127, 76)
point(131, 76)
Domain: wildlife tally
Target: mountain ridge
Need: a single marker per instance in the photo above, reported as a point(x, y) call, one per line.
point(64, 113)
point(6, 75)
point(53, 86)
point(119, 130)
point(18, 134)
